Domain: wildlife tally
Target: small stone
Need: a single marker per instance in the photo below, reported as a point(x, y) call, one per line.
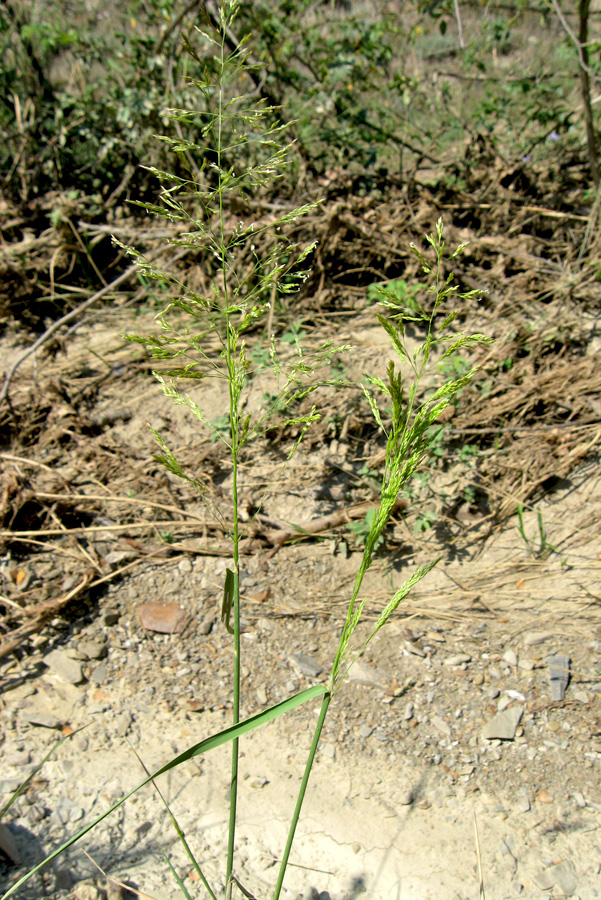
point(503, 703)
point(365, 731)
point(537, 637)
point(543, 880)
point(257, 782)
point(185, 566)
point(559, 676)
point(74, 653)
point(478, 679)
point(493, 693)
point(117, 557)
point(413, 649)
point(523, 804)
point(67, 669)
point(515, 695)
point(110, 618)
point(206, 626)
point(510, 657)
point(544, 796)
point(356, 847)
point(441, 725)
point(363, 673)
point(261, 695)
point(163, 618)
point(503, 725)
point(122, 723)
point(9, 785)
point(581, 696)
point(87, 890)
point(93, 649)
point(328, 750)
point(458, 659)
point(305, 665)
point(43, 721)
point(408, 714)
point(99, 674)
point(564, 877)
point(579, 799)
point(526, 664)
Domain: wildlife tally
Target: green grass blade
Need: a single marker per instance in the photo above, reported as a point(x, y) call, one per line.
point(210, 743)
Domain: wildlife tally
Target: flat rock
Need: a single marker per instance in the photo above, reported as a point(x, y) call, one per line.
point(559, 676)
point(66, 668)
point(564, 877)
point(165, 618)
point(93, 649)
point(363, 673)
point(458, 659)
point(441, 726)
point(36, 718)
point(510, 657)
point(305, 665)
point(503, 726)
point(537, 637)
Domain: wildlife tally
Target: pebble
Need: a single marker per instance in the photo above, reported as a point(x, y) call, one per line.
point(163, 618)
point(478, 679)
point(414, 649)
point(122, 723)
point(68, 669)
point(365, 731)
point(537, 637)
point(92, 649)
point(206, 626)
point(185, 566)
point(441, 725)
point(559, 676)
point(510, 657)
point(457, 659)
point(503, 725)
point(35, 718)
point(99, 674)
point(9, 785)
point(110, 618)
point(261, 695)
point(363, 673)
point(408, 714)
point(581, 696)
point(544, 796)
point(523, 805)
point(564, 877)
point(306, 665)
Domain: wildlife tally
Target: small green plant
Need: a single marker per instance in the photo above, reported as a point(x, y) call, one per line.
point(544, 548)
point(424, 522)
point(245, 148)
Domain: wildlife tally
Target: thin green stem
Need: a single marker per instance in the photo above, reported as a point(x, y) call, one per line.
point(230, 345)
point(301, 794)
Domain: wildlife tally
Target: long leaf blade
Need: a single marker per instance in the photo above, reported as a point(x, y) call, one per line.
point(210, 743)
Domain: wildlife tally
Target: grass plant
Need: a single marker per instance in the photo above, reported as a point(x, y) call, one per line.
point(244, 147)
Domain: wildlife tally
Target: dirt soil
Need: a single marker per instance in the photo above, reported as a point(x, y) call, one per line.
point(420, 791)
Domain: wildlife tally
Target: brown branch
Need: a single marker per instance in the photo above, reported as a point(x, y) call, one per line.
point(327, 523)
